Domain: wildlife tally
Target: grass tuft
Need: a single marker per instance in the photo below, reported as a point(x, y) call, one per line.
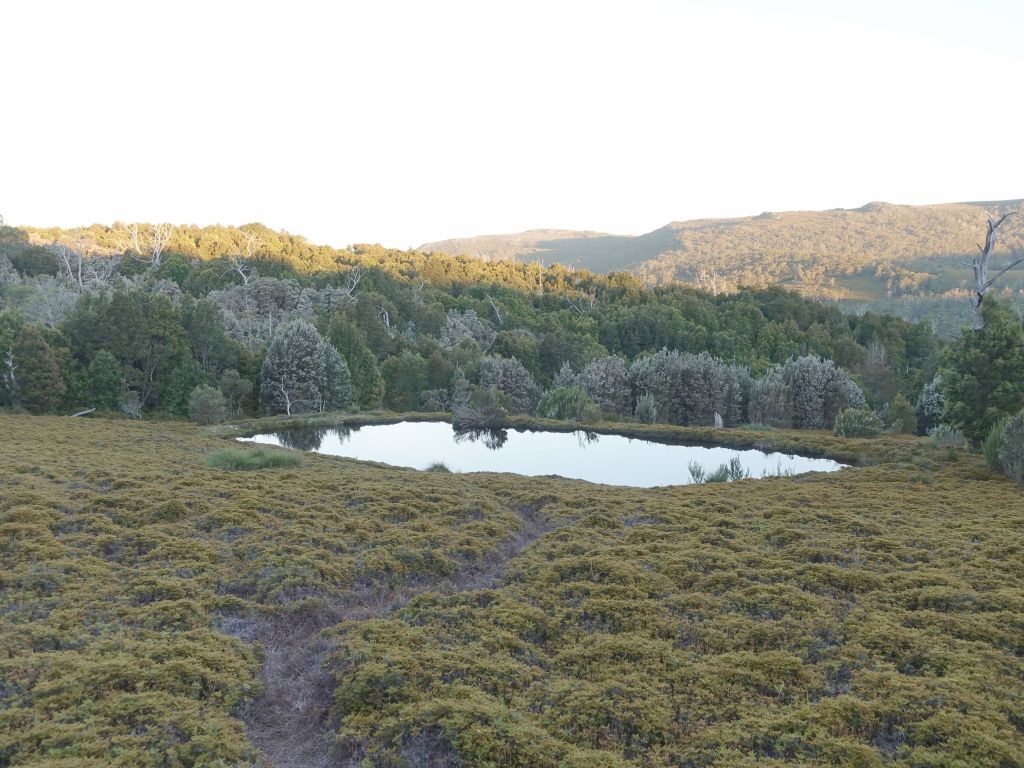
point(245, 459)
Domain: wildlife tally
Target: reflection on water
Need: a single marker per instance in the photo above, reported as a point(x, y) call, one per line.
point(302, 439)
point(310, 439)
point(610, 459)
point(493, 439)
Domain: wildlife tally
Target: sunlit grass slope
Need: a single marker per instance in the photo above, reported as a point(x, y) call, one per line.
point(869, 617)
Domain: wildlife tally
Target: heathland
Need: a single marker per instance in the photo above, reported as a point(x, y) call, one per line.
point(160, 611)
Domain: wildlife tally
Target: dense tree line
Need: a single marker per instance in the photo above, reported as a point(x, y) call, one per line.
point(217, 307)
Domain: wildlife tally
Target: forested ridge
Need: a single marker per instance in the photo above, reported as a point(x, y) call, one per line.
point(150, 313)
point(899, 258)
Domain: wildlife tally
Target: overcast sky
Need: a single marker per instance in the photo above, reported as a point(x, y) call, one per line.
point(402, 123)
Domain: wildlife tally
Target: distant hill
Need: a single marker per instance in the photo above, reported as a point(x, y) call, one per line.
point(879, 250)
point(596, 251)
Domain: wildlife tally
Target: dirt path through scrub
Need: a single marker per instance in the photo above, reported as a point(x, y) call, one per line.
point(289, 722)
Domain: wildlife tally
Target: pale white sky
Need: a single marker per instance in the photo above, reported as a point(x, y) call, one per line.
point(405, 122)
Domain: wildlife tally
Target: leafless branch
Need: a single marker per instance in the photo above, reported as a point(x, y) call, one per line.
point(239, 265)
point(71, 263)
point(1003, 271)
point(980, 265)
point(574, 305)
point(384, 317)
point(161, 235)
point(353, 281)
point(494, 306)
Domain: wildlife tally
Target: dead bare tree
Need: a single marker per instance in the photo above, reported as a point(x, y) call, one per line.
point(147, 246)
point(239, 265)
point(494, 306)
point(253, 241)
point(101, 269)
point(353, 282)
point(161, 236)
point(707, 280)
point(243, 267)
point(71, 264)
point(583, 303)
point(384, 317)
point(131, 239)
point(9, 368)
point(980, 265)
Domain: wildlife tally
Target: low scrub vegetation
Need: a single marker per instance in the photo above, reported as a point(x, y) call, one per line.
point(865, 617)
point(857, 422)
point(1004, 447)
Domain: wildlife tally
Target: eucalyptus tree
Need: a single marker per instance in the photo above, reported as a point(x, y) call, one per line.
point(508, 375)
point(980, 265)
point(606, 382)
point(302, 372)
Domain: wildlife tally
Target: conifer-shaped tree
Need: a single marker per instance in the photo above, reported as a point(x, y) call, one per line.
point(35, 380)
point(367, 384)
point(982, 377)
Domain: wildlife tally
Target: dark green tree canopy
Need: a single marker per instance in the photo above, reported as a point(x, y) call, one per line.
point(983, 372)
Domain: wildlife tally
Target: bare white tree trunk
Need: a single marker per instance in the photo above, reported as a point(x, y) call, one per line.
point(384, 317)
point(238, 265)
point(353, 281)
point(244, 266)
point(707, 280)
point(287, 398)
point(147, 247)
point(130, 241)
point(980, 265)
point(494, 306)
point(583, 302)
point(9, 369)
point(161, 236)
point(71, 263)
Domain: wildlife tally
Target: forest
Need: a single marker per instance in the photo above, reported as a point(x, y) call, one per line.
point(136, 318)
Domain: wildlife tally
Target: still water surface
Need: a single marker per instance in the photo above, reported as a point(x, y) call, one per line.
point(610, 459)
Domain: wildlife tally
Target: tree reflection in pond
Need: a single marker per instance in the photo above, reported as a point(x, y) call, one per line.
point(492, 438)
point(302, 439)
point(311, 439)
point(611, 459)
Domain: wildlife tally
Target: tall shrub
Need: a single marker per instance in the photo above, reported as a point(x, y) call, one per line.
point(982, 377)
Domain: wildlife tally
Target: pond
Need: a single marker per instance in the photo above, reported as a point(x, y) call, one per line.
point(609, 459)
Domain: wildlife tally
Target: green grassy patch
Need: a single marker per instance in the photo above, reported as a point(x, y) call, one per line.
point(246, 459)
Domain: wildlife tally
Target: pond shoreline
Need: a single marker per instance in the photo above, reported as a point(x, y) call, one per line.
point(580, 454)
point(817, 444)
